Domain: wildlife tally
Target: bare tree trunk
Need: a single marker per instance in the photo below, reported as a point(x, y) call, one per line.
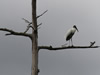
point(34, 40)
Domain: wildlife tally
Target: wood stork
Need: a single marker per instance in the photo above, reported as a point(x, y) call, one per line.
point(70, 34)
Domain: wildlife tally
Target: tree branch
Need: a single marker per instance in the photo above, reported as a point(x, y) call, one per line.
point(42, 14)
point(26, 21)
point(68, 47)
point(92, 43)
point(30, 23)
point(39, 24)
point(11, 32)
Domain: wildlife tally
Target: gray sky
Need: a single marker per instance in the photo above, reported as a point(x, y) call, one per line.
point(15, 52)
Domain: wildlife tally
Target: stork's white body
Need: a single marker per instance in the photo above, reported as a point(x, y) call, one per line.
point(70, 34)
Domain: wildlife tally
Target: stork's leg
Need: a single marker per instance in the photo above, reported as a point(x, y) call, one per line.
point(71, 41)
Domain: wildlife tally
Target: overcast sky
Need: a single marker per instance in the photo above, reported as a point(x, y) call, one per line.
point(15, 51)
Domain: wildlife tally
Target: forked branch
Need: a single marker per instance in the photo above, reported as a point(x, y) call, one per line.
point(29, 25)
point(11, 32)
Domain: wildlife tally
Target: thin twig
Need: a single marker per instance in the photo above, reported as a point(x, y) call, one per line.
point(26, 29)
point(39, 24)
point(92, 43)
point(42, 14)
point(29, 25)
point(26, 20)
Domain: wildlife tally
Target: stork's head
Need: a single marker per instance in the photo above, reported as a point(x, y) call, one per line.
point(75, 27)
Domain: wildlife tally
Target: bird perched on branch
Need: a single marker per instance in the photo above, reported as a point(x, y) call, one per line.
point(70, 34)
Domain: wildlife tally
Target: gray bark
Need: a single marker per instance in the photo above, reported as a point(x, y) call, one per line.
point(34, 40)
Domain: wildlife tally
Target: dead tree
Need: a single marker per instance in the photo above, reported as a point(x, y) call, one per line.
point(34, 38)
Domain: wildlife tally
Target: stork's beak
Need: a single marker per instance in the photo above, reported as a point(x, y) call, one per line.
point(77, 29)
